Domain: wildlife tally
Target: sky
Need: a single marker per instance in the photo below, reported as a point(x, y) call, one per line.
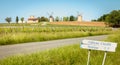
point(89, 9)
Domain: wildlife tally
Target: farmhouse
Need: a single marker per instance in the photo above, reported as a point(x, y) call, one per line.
point(32, 19)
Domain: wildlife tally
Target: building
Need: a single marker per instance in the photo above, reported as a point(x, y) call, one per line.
point(51, 19)
point(21, 22)
point(79, 19)
point(32, 19)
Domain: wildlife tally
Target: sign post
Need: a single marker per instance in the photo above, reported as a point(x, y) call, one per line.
point(104, 58)
point(88, 57)
point(98, 45)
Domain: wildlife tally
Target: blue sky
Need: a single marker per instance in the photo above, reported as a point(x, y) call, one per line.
point(90, 9)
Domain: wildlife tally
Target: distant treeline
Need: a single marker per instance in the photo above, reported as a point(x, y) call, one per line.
point(112, 19)
point(44, 19)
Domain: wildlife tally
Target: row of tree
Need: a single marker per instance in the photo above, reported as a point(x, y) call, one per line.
point(9, 19)
point(70, 18)
point(41, 19)
point(112, 18)
point(67, 18)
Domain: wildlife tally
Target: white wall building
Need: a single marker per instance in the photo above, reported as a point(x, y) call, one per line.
point(79, 18)
point(51, 19)
point(32, 19)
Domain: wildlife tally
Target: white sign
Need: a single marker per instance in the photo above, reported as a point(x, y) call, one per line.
point(98, 45)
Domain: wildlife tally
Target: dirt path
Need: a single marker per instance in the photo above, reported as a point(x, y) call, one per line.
point(26, 48)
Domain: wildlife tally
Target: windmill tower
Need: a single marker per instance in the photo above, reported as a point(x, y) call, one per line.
point(79, 18)
point(51, 19)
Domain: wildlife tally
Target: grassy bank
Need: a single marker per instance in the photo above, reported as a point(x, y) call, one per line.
point(16, 38)
point(68, 55)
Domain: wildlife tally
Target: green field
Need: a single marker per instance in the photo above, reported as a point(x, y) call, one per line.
point(68, 55)
point(22, 33)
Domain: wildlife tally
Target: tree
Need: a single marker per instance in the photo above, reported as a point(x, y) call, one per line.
point(65, 18)
point(43, 19)
point(57, 19)
point(17, 19)
point(112, 19)
point(75, 18)
point(39, 19)
point(102, 18)
point(93, 20)
point(72, 18)
point(60, 19)
point(8, 19)
point(22, 19)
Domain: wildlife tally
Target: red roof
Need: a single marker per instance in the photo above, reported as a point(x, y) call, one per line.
point(34, 19)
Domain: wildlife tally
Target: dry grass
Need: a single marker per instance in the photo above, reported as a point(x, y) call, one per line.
point(80, 23)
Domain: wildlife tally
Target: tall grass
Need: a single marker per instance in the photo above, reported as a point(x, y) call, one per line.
point(21, 33)
point(68, 55)
point(16, 38)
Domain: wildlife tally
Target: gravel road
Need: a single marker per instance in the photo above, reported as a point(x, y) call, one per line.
point(27, 48)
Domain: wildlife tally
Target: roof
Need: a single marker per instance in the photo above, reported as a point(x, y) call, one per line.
point(32, 19)
point(51, 16)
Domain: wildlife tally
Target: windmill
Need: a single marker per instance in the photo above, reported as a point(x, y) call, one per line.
point(51, 19)
point(79, 18)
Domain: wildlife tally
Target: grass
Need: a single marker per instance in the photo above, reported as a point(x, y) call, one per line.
point(16, 33)
point(17, 38)
point(67, 55)
point(49, 28)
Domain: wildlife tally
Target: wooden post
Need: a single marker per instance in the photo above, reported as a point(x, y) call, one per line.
point(88, 57)
point(104, 58)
